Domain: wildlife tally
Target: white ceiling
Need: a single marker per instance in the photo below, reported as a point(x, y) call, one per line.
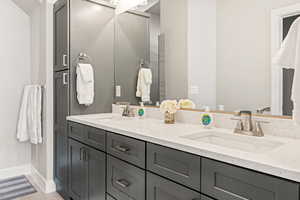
point(27, 5)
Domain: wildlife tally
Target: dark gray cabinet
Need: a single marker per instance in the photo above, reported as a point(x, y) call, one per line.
point(60, 132)
point(60, 43)
point(128, 149)
point(161, 189)
point(78, 170)
point(76, 131)
point(96, 174)
point(61, 96)
point(179, 166)
point(124, 181)
point(87, 172)
point(91, 136)
point(226, 182)
point(169, 175)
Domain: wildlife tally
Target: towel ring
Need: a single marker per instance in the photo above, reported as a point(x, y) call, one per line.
point(83, 57)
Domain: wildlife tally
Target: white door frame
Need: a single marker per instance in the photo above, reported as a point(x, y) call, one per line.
point(277, 16)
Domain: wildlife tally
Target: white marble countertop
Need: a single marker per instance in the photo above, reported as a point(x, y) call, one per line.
point(283, 161)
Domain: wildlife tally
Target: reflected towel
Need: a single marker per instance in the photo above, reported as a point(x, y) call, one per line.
point(289, 57)
point(144, 84)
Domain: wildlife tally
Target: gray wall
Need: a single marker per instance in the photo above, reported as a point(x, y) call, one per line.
point(92, 28)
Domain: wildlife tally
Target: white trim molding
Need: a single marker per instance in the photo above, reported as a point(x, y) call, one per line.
point(277, 16)
point(46, 186)
point(15, 171)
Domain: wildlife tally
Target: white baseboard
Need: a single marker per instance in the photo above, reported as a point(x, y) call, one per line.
point(15, 171)
point(46, 186)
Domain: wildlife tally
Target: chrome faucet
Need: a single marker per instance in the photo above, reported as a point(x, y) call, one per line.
point(247, 126)
point(127, 110)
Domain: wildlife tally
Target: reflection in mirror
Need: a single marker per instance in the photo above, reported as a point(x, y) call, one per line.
point(217, 53)
point(137, 64)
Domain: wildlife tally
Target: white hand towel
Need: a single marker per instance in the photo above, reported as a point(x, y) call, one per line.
point(85, 84)
point(86, 72)
point(30, 119)
point(22, 131)
point(289, 57)
point(34, 114)
point(144, 84)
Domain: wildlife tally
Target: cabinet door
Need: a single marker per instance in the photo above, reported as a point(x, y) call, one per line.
point(60, 133)
point(78, 171)
point(226, 182)
point(162, 189)
point(96, 174)
point(60, 35)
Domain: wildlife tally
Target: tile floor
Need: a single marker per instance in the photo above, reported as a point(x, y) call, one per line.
point(39, 195)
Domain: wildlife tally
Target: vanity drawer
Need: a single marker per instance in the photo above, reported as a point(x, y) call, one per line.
point(95, 137)
point(88, 135)
point(76, 131)
point(179, 166)
point(162, 189)
point(128, 149)
point(226, 182)
point(124, 181)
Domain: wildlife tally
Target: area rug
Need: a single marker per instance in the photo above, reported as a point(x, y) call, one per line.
point(15, 187)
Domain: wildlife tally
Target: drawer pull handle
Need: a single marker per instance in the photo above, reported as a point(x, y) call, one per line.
point(65, 60)
point(122, 149)
point(123, 183)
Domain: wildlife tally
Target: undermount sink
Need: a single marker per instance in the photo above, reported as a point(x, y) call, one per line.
point(239, 142)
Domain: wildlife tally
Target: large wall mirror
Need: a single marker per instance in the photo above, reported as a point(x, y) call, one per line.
point(218, 53)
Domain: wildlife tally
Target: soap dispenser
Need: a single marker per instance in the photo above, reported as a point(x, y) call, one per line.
point(141, 111)
point(207, 118)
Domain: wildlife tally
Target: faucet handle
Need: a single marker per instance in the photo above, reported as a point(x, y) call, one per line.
point(258, 131)
point(261, 121)
point(239, 128)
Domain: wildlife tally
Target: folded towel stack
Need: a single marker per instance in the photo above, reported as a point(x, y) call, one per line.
point(30, 117)
point(85, 84)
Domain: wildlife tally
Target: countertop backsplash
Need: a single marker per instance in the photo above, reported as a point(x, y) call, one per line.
point(275, 126)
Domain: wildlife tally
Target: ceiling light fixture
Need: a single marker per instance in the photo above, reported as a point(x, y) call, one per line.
point(125, 5)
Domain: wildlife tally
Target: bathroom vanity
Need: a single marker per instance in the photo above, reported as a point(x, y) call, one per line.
point(209, 57)
point(117, 158)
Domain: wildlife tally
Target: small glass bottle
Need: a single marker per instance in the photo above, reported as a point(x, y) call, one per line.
point(207, 118)
point(141, 111)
